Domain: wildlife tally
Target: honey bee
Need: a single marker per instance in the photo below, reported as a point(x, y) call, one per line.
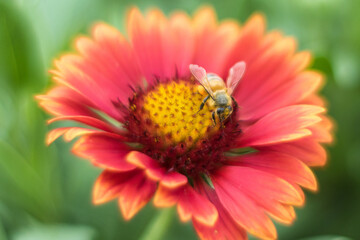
point(219, 94)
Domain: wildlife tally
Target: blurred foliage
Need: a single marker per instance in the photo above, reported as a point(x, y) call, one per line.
point(55, 232)
point(328, 237)
point(45, 193)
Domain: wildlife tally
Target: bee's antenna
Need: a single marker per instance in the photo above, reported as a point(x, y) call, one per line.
point(198, 111)
point(131, 87)
point(157, 78)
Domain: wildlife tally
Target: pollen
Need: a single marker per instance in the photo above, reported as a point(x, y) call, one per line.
point(170, 114)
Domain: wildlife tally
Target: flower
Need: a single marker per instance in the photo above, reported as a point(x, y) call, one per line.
point(138, 104)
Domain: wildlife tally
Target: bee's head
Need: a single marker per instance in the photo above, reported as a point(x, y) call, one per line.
point(225, 112)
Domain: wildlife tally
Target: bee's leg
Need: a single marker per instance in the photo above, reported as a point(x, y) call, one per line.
point(230, 111)
point(203, 102)
point(235, 103)
point(229, 108)
point(213, 118)
point(219, 112)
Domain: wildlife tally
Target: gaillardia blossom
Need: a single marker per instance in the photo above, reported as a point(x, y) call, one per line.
point(138, 104)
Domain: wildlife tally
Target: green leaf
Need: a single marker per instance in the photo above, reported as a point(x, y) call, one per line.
point(240, 151)
point(21, 185)
point(20, 62)
point(55, 232)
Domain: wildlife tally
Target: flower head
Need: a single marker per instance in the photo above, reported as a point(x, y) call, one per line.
point(139, 106)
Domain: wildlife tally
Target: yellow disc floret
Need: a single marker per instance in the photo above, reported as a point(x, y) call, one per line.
point(170, 111)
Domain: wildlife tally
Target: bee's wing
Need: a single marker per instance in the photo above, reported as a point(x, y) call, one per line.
point(235, 75)
point(200, 74)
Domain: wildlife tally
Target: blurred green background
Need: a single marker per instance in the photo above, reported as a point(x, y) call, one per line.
point(45, 192)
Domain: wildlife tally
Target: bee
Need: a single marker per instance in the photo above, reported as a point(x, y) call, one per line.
point(219, 94)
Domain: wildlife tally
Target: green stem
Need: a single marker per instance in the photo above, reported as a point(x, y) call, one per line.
point(158, 225)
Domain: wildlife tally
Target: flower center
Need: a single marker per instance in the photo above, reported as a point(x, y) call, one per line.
point(172, 109)
point(167, 122)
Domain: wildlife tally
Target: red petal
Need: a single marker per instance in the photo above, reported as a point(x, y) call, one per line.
point(238, 196)
point(136, 193)
point(273, 61)
point(90, 121)
point(314, 99)
point(180, 37)
point(282, 165)
point(165, 197)
point(69, 133)
point(282, 213)
point(106, 71)
point(147, 36)
point(190, 204)
point(322, 131)
point(307, 150)
point(155, 171)
point(285, 124)
point(132, 188)
point(109, 63)
point(248, 44)
point(120, 52)
point(105, 150)
point(89, 82)
point(112, 76)
point(63, 101)
point(164, 47)
point(109, 185)
point(213, 43)
point(264, 101)
point(225, 227)
point(298, 190)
